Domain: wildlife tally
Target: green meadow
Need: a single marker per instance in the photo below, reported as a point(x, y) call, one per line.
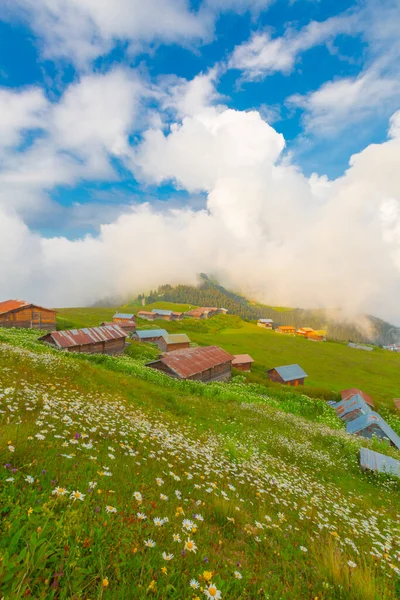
point(118, 482)
point(331, 366)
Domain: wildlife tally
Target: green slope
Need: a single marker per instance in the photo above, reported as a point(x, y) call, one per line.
point(331, 366)
point(275, 498)
point(210, 293)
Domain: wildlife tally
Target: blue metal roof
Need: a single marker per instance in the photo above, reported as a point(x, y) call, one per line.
point(123, 316)
point(372, 418)
point(356, 402)
point(379, 462)
point(163, 312)
point(149, 333)
point(290, 372)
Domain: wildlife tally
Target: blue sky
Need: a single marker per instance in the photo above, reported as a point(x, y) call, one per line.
point(28, 57)
point(242, 112)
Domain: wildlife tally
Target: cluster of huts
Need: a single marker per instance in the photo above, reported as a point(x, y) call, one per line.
point(316, 335)
point(357, 409)
point(203, 312)
point(180, 360)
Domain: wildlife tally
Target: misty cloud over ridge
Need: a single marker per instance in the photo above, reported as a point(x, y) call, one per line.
point(268, 231)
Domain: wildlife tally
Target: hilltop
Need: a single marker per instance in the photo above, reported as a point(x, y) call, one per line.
point(210, 293)
point(123, 483)
point(331, 366)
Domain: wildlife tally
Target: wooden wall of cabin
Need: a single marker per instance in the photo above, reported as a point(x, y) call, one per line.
point(244, 367)
point(30, 318)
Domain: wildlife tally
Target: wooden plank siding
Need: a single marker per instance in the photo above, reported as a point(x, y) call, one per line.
point(218, 373)
point(273, 375)
point(30, 317)
point(166, 347)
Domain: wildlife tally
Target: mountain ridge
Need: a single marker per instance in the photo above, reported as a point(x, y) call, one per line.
point(368, 329)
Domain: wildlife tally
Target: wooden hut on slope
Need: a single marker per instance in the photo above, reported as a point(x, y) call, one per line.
point(173, 341)
point(125, 320)
point(349, 393)
point(109, 339)
point(205, 364)
point(19, 313)
point(242, 362)
point(167, 315)
point(286, 329)
point(149, 335)
point(266, 323)
point(287, 375)
point(146, 315)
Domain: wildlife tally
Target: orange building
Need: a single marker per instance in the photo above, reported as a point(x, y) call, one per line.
point(288, 329)
point(18, 313)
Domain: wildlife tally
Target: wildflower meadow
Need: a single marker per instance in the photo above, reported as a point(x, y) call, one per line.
point(117, 482)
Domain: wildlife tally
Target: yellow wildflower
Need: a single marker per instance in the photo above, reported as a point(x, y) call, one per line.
point(105, 582)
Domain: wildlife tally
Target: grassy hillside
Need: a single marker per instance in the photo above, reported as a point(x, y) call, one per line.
point(210, 293)
point(331, 366)
point(103, 457)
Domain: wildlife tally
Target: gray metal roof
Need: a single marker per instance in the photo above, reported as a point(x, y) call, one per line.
point(124, 316)
point(379, 462)
point(355, 403)
point(290, 372)
point(149, 333)
point(265, 320)
point(373, 419)
point(159, 311)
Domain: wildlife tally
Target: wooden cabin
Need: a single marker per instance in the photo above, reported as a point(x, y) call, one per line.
point(319, 335)
point(288, 329)
point(173, 342)
point(167, 315)
point(109, 339)
point(266, 323)
point(304, 331)
point(125, 320)
point(348, 394)
point(19, 313)
point(352, 408)
point(205, 364)
point(148, 316)
point(287, 375)
point(203, 312)
point(242, 362)
point(149, 335)
point(372, 425)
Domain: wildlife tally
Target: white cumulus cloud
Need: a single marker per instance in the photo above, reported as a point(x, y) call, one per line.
point(266, 230)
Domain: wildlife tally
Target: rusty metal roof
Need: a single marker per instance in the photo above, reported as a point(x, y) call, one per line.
point(10, 305)
point(347, 394)
point(189, 362)
point(242, 359)
point(88, 335)
point(145, 312)
point(379, 462)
